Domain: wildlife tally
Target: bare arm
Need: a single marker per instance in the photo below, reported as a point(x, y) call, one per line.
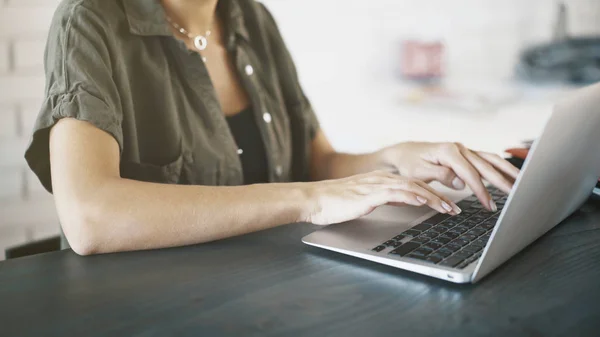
point(326, 163)
point(102, 212)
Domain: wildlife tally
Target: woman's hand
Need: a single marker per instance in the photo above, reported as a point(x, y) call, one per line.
point(453, 165)
point(335, 201)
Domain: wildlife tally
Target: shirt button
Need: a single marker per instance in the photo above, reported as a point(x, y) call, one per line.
point(249, 70)
point(267, 117)
point(278, 170)
point(240, 151)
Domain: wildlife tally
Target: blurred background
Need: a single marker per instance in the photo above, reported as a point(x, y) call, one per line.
point(482, 72)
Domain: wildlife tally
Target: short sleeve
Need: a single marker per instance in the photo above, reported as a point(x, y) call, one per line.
point(79, 83)
point(288, 76)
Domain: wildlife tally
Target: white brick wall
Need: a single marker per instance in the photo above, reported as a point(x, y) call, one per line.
point(26, 213)
point(483, 38)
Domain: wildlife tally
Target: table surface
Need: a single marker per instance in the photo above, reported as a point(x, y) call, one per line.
point(270, 284)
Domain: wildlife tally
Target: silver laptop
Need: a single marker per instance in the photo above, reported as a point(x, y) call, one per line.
point(558, 176)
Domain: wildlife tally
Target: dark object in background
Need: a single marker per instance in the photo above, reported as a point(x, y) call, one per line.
point(32, 248)
point(566, 59)
point(574, 61)
point(518, 156)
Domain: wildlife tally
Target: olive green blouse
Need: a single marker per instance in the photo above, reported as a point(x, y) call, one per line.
point(116, 65)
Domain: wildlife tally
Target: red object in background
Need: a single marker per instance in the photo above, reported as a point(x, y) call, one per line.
point(421, 60)
point(521, 153)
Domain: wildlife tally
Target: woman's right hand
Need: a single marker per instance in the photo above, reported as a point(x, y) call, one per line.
point(335, 201)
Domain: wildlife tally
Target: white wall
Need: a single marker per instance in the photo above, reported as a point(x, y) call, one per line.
point(345, 52)
point(26, 210)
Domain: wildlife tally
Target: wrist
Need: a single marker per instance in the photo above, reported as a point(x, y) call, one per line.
point(302, 199)
point(386, 158)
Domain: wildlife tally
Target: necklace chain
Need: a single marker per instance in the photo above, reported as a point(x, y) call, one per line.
point(200, 41)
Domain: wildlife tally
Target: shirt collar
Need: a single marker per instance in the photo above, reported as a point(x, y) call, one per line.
point(147, 18)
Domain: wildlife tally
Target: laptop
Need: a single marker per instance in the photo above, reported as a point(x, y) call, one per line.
point(558, 176)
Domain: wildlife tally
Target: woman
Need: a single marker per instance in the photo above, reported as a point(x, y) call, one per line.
point(153, 106)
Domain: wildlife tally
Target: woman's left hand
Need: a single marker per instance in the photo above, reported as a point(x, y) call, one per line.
point(453, 165)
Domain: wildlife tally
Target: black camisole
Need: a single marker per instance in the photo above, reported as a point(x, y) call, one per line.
point(251, 148)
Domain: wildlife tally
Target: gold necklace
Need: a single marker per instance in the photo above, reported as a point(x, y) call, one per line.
point(200, 41)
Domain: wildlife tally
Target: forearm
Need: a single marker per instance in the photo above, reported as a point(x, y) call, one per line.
point(124, 214)
point(338, 165)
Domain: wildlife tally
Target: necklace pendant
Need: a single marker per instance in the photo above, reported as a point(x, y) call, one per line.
point(200, 42)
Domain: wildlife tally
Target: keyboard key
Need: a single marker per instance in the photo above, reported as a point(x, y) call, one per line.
point(461, 217)
point(471, 198)
point(421, 227)
point(443, 227)
point(450, 234)
point(389, 243)
point(399, 237)
point(430, 235)
point(396, 244)
point(451, 261)
point(498, 193)
point(479, 242)
point(470, 222)
point(442, 239)
point(405, 248)
point(443, 252)
point(435, 231)
point(411, 232)
point(471, 259)
point(422, 251)
point(479, 217)
point(419, 240)
point(476, 231)
point(459, 242)
point(464, 204)
point(488, 225)
point(417, 256)
point(472, 249)
point(460, 229)
point(433, 245)
point(463, 254)
point(462, 265)
point(469, 237)
point(476, 205)
point(452, 247)
point(378, 248)
point(470, 211)
point(434, 220)
point(451, 222)
point(435, 258)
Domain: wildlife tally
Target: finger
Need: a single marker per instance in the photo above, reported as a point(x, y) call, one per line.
point(403, 197)
point(500, 164)
point(376, 177)
point(453, 158)
point(427, 187)
point(445, 176)
point(488, 172)
point(434, 199)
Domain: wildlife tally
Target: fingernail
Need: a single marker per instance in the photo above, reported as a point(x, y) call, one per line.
point(458, 184)
point(493, 206)
point(421, 199)
point(446, 206)
point(457, 209)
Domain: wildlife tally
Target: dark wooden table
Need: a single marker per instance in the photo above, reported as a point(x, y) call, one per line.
point(270, 284)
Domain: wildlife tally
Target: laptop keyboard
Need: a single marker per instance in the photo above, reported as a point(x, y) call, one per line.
point(449, 240)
